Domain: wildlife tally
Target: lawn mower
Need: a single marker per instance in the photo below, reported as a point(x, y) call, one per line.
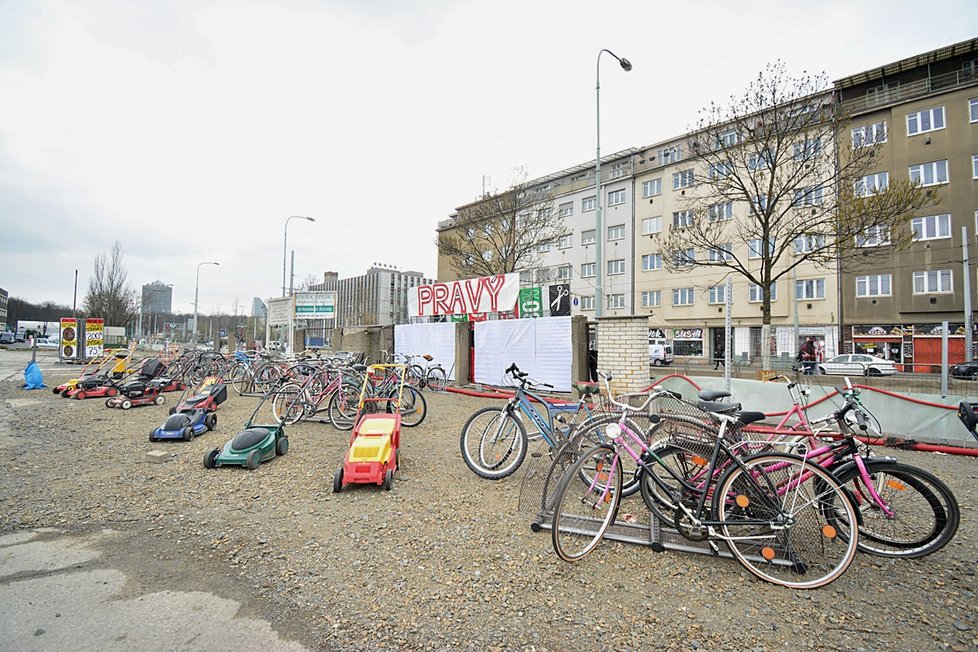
point(106, 383)
point(253, 445)
point(97, 366)
point(376, 437)
point(193, 415)
point(136, 393)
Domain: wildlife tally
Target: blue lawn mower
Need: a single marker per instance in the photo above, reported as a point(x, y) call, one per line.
point(253, 445)
point(194, 415)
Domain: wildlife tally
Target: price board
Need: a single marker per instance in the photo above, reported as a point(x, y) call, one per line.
point(94, 337)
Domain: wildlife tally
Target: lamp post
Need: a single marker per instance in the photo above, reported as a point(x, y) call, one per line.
point(196, 294)
point(285, 240)
point(598, 272)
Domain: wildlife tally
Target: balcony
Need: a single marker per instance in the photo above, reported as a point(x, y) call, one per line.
point(905, 92)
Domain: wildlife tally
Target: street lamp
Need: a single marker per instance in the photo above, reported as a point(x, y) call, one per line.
point(598, 272)
point(285, 240)
point(196, 293)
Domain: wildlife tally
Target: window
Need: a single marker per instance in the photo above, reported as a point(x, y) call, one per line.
point(874, 236)
point(756, 295)
point(652, 225)
point(616, 197)
point(926, 120)
point(668, 155)
point(869, 135)
point(587, 237)
point(682, 219)
point(718, 294)
point(719, 170)
point(807, 149)
point(565, 241)
point(565, 210)
point(616, 266)
point(545, 247)
point(683, 258)
point(811, 288)
point(721, 253)
point(929, 174)
point(684, 179)
point(526, 276)
point(682, 297)
point(755, 248)
point(587, 270)
point(589, 204)
point(651, 262)
point(616, 232)
point(618, 170)
point(876, 285)
point(720, 211)
point(974, 166)
point(871, 184)
point(759, 203)
point(810, 196)
point(470, 232)
point(487, 256)
point(616, 301)
point(973, 109)
point(652, 187)
point(806, 244)
point(931, 227)
point(883, 93)
point(587, 303)
point(727, 138)
point(933, 281)
point(651, 298)
point(761, 160)
point(564, 273)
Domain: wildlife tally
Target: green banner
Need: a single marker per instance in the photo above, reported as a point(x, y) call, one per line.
point(460, 317)
point(531, 302)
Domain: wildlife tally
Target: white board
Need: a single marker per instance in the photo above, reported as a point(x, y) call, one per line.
point(540, 347)
point(436, 339)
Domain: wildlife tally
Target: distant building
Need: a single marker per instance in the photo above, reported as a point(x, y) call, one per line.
point(3, 309)
point(258, 308)
point(157, 298)
point(377, 298)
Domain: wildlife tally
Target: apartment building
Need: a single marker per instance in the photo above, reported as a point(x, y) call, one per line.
point(376, 298)
point(923, 110)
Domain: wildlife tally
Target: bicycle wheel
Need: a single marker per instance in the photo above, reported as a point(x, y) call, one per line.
point(437, 379)
point(414, 375)
point(414, 407)
point(584, 510)
point(780, 518)
point(681, 471)
point(287, 404)
point(493, 443)
point(239, 378)
point(592, 432)
point(342, 406)
point(924, 514)
point(266, 376)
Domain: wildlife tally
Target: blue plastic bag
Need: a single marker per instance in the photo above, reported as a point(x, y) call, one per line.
point(32, 377)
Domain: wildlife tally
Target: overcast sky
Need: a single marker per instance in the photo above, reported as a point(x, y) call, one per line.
point(190, 131)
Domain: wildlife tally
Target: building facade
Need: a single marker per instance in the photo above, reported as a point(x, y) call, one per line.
point(4, 295)
point(923, 110)
point(377, 298)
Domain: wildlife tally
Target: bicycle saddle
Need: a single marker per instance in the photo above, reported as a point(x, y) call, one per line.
point(586, 388)
point(719, 406)
point(713, 394)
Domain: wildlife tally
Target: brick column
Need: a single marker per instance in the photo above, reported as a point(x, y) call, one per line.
point(623, 351)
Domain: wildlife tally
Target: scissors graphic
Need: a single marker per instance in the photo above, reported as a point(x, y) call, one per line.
point(562, 291)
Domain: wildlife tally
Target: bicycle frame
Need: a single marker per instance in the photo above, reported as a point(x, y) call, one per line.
point(523, 401)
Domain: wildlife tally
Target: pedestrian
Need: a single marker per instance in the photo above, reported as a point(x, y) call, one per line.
point(718, 359)
point(806, 355)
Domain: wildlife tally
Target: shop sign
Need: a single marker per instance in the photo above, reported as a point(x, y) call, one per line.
point(468, 296)
point(531, 303)
point(559, 300)
point(656, 334)
point(687, 333)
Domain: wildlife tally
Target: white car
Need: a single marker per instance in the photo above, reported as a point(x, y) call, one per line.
point(46, 343)
point(857, 364)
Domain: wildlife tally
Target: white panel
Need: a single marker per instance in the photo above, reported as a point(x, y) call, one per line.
point(541, 347)
point(436, 339)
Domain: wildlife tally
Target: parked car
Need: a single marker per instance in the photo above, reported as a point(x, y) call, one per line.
point(46, 343)
point(967, 370)
point(7, 338)
point(660, 354)
point(20, 337)
point(857, 364)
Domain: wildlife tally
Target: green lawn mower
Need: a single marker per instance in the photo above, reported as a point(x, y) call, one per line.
point(253, 445)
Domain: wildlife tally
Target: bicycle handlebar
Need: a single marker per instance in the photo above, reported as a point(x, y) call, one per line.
point(645, 404)
point(523, 377)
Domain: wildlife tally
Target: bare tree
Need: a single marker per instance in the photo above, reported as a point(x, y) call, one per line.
point(109, 295)
point(503, 232)
point(309, 281)
point(779, 169)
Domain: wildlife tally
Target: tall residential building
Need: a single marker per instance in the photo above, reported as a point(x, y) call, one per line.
point(3, 309)
point(377, 298)
point(157, 298)
point(924, 111)
point(258, 308)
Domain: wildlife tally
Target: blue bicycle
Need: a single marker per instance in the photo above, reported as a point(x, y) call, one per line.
point(494, 440)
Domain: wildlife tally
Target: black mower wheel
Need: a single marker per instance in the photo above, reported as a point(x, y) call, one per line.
point(389, 479)
point(188, 433)
point(210, 459)
point(160, 400)
point(253, 459)
point(126, 404)
point(172, 410)
point(338, 481)
point(152, 434)
point(282, 446)
point(108, 402)
point(210, 421)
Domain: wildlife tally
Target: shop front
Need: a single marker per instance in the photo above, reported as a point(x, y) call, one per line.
point(913, 347)
point(688, 342)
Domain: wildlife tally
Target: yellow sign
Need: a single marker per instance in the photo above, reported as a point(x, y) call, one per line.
point(69, 337)
point(94, 337)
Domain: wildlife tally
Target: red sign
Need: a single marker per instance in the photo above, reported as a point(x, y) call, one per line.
point(474, 295)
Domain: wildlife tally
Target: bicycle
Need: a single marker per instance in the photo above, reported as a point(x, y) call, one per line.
point(780, 528)
point(296, 401)
point(344, 404)
point(904, 511)
point(494, 441)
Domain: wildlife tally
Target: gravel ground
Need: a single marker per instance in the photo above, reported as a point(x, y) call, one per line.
point(445, 560)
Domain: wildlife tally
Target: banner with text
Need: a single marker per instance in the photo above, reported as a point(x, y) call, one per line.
point(94, 337)
point(474, 295)
point(315, 305)
point(69, 338)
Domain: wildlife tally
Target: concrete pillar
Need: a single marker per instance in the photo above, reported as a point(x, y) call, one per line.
point(463, 366)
